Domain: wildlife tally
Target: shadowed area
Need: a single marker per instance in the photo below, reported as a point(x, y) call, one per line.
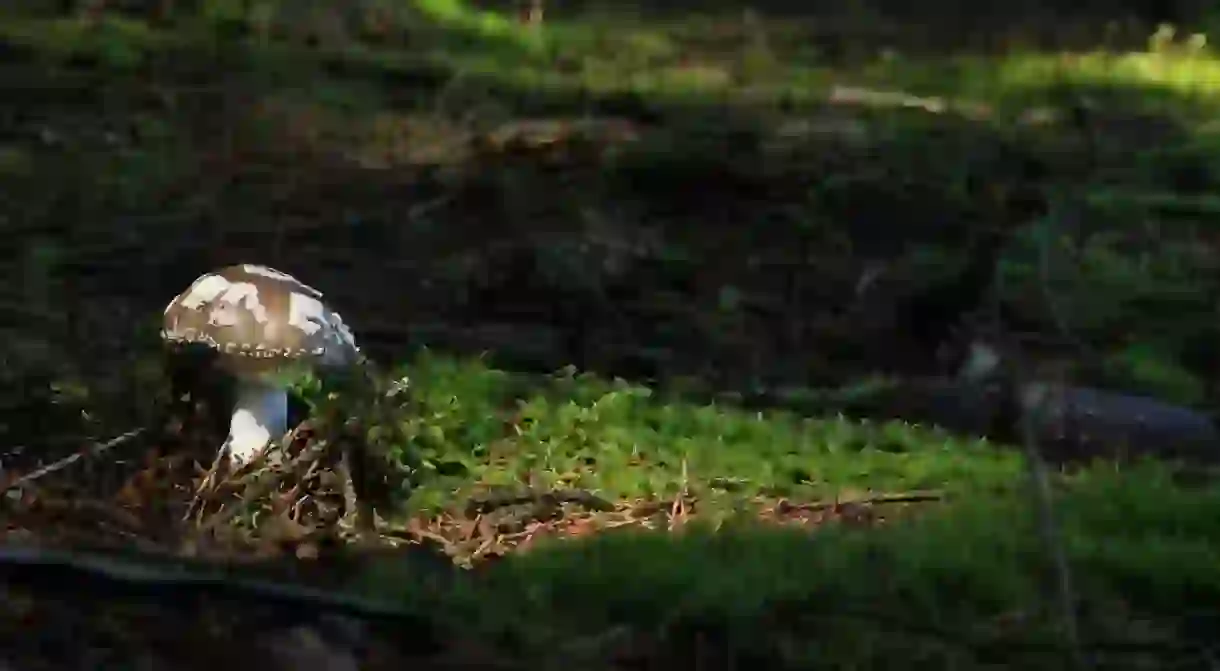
point(702, 336)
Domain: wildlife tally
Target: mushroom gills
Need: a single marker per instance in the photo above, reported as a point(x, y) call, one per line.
point(260, 415)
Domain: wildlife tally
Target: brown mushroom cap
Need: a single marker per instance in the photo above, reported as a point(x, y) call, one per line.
point(262, 323)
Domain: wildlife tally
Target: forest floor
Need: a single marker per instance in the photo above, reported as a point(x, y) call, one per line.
point(566, 519)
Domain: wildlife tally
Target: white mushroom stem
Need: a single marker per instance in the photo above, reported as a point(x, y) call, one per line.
point(260, 414)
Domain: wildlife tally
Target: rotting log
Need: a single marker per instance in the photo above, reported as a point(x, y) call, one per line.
point(1069, 421)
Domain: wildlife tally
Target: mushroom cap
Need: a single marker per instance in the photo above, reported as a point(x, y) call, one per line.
point(262, 324)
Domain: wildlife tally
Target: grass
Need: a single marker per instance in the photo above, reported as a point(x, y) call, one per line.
point(965, 587)
point(751, 59)
point(617, 442)
point(778, 569)
point(680, 571)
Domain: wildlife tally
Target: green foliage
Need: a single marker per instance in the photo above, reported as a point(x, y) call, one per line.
point(117, 43)
point(227, 15)
point(466, 425)
point(1142, 304)
point(1155, 372)
point(952, 589)
point(769, 156)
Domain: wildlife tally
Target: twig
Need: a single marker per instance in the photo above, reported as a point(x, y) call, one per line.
point(1044, 504)
point(881, 499)
point(295, 513)
point(92, 451)
point(208, 481)
point(311, 452)
point(1018, 397)
point(678, 509)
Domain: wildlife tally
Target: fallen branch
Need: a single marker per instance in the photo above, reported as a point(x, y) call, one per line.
point(90, 452)
point(177, 583)
point(881, 499)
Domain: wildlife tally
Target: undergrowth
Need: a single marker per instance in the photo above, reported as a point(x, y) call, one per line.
point(961, 588)
point(715, 196)
point(765, 538)
point(785, 153)
point(469, 426)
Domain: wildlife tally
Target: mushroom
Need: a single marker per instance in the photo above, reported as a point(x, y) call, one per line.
point(264, 328)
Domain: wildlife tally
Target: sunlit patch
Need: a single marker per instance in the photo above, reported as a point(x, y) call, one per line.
point(306, 313)
point(204, 290)
point(245, 295)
